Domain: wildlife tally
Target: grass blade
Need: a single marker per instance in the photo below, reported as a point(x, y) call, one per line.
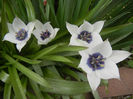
point(16, 83)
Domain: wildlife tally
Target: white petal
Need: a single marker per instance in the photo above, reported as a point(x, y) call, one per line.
point(20, 45)
point(39, 25)
point(37, 34)
point(94, 81)
point(74, 41)
point(30, 26)
point(98, 26)
point(54, 34)
point(77, 42)
point(84, 52)
point(118, 56)
point(47, 26)
point(86, 26)
point(44, 42)
point(109, 71)
point(96, 39)
point(10, 27)
point(73, 29)
point(11, 38)
point(18, 24)
point(104, 48)
point(83, 63)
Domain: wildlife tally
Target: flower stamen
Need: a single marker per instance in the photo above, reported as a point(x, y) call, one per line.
point(85, 36)
point(21, 34)
point(45, 35)
point(96, 61)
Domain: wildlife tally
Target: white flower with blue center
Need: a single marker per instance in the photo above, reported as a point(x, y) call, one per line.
point(99, 62)
point(19, 33)
point(86, 35)
point(44, 32)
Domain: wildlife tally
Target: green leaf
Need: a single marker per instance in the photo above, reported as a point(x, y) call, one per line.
point(68, 48)
point(102, 4)
point(85, 7)
point(4, 77)
point(51, 72)
point(7, 91)
point(31, 96)
point(30, 10)
point(66, 87)
point(130, 20)
point(78, 8)
point(130, 63)
point(123, 44)
point(70, 72)
point(32, 75)
point(54, 18)
point(36, 90)
point(119, 34)
point(60, 13)
point(107, 23)
point(65, 97)
point(16, 83)
point(27, 60)
point(57, 58)
point(24, 82)
point(45, 51)
point(69, 6)
point(46, 63)
point(96, 95)
point(80, 96)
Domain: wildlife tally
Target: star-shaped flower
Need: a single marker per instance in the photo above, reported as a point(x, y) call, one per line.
point(100, 61)
point(86, 35)
point(19, 33)
point(44, 32)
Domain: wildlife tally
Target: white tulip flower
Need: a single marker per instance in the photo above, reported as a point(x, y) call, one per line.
point(44, 32)
point(86, 35)
point(19, 33)
point(99, 62)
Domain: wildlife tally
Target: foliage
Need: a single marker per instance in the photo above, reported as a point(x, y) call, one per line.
point(50, 72)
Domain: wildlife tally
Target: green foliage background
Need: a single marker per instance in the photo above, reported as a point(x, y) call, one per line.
point(50, 72)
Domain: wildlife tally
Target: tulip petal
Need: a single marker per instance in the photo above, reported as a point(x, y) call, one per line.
point(104, 48)
point(48, 27)
point(11, 38)
point(109, 71)
point(37, 34)
point(73, 29)
point(10, 28)
point(98, 26)
point(20, 46)
point(118, 56)
point(30, 26)
point(83, 63)
point(96, 39)
point(86, 26)
point(93, 80)
point(18, 24)
point(54, 34)
point(38, 25)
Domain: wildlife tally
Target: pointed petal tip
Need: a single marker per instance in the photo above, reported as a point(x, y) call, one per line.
point(57, 29)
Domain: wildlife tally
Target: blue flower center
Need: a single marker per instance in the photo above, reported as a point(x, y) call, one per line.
point(85, 36)
point(45, 35)
point(96, 61)
point(21, 34)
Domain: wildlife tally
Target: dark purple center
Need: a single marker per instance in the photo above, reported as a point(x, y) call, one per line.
point(21, 34)
point(45, 35)
point(85, 36)
point(96, 61)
